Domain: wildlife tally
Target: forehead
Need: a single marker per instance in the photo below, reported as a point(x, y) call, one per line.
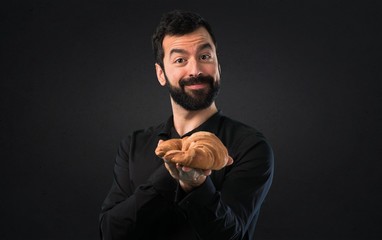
point(190, 40)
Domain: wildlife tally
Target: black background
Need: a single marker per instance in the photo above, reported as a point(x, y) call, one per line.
point(78, 76)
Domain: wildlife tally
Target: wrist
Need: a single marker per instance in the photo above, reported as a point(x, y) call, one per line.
point(188, 186)
point(185, 187)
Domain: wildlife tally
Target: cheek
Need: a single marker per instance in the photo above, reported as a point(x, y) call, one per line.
point(213, 71)
point(174, 75)
point(212, 68)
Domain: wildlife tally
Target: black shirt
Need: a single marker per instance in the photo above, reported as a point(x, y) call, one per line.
point(145, 202)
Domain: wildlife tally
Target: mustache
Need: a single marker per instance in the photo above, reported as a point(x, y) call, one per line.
point(196, 80)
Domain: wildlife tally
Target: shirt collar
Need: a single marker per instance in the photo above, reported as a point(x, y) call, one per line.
point(210, 125)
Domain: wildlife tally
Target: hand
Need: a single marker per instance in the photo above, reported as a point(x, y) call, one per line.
point(188, 178)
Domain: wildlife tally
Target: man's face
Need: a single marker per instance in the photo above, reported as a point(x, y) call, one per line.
point(191, 69)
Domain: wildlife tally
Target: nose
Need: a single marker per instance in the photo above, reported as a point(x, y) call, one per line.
point(194, 68)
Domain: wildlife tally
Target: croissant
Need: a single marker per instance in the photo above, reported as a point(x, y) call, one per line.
point(202, 150)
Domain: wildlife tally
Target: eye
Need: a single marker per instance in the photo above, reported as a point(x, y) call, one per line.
point(179, 60)
point(205, 57)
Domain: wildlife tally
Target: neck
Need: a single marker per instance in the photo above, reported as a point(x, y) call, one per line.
point(186, 121)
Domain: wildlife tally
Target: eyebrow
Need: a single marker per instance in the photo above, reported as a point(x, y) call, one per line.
point(182, 51)
point(204, 46)
point(177, 50)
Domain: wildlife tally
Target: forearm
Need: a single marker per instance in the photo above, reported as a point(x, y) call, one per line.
point(124, 215)
point(209, 215)
point(119, 221)
point(230, 211)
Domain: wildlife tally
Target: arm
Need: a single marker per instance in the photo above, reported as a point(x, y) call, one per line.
point(232, 211)
point(125, 209)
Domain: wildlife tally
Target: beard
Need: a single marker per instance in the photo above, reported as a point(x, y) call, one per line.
point(197, 99)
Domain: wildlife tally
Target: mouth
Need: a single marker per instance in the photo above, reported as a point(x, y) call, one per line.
point(197, 86)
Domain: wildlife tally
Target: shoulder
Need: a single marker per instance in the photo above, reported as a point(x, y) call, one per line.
point(143, 136)
point(146, 133)
point(241, 137)
point(237, 130)
point(245, 142)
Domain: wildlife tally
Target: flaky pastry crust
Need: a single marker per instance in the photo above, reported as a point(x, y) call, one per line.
point(202, 150)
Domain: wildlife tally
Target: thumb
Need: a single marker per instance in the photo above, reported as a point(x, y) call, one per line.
point(230, 161)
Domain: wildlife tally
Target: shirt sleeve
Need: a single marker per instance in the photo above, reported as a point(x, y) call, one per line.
point(230, 212)
point(125, 210)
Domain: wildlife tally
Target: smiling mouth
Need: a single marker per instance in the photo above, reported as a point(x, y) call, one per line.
point(197, 86)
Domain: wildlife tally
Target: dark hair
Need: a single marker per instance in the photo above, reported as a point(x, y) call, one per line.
point(176, 22)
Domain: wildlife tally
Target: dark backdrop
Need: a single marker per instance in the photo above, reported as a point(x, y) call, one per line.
point(78, 76)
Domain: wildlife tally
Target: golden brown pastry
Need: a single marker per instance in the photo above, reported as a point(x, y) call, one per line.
point(202, 150)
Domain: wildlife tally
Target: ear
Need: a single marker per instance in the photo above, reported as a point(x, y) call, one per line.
point(160, 74)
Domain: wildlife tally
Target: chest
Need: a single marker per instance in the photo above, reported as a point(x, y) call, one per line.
point(142, 163)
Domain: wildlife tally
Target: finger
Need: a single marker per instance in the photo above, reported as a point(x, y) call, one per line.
point(171, 168)
point(207, 172)
point(180, 167)
point(230, 161)
point(186, 169)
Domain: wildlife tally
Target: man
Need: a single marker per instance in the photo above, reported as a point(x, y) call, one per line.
point(149, 198)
